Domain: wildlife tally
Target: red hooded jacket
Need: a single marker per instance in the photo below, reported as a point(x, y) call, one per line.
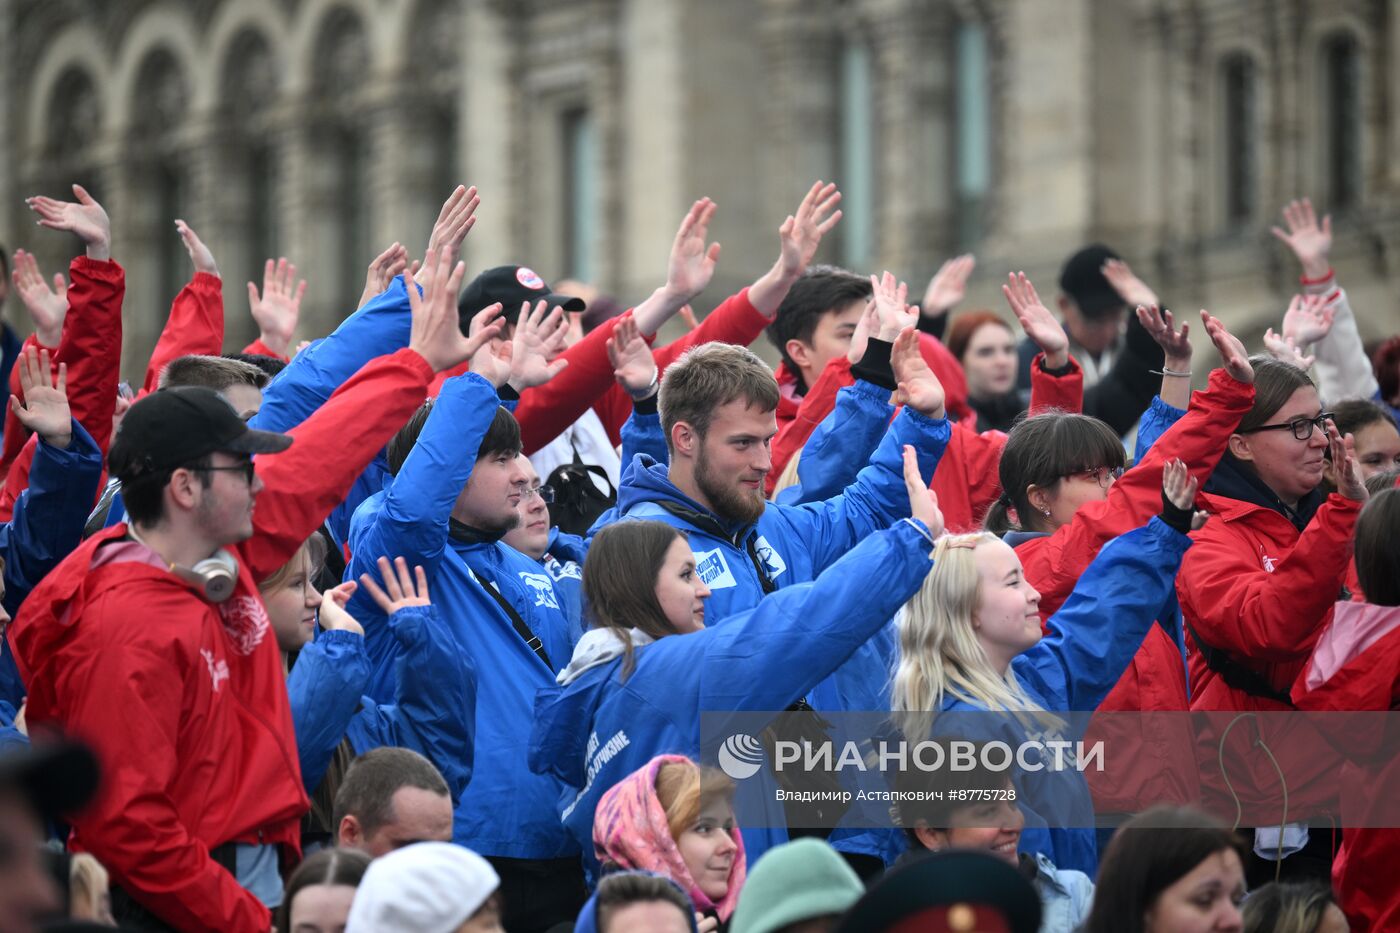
point(184, 701)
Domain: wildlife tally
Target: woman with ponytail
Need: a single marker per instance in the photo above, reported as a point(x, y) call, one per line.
point(971, 641)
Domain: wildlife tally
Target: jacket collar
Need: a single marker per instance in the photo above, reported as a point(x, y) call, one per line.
point(1234, 479)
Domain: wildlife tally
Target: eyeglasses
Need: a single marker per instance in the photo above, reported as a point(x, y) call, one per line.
point(1103, 475)
point(1302, 428)
point(245, 467)
point(544, 492)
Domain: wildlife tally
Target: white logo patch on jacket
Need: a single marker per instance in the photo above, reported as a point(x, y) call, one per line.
point(773, 564)
point(218, 670)
point(713, 569)
point(542, 588)
point(246, 622)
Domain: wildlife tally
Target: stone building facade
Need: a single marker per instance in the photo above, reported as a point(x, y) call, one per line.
point(1019, 129)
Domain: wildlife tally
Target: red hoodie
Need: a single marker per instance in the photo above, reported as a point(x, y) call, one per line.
point(184, 701)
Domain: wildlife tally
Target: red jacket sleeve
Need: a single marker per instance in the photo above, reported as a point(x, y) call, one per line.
point(124, 702)
point(91, 346)
point(258, 348)
point(1237, 606)
point(15, 432)
point(544, 412)
point(1058, 393)
point(304, 483)
point(819, 402)
point(1199, 438)
point(949, 372)
point(195, 326)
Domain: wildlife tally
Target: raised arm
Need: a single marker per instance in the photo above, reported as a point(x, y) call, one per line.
point(196, 322)
point(277, 308)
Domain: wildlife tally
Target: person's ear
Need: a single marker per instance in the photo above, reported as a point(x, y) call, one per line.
point(935, 840)
point(1239, 447)
point(685, 440)
point(182, 488)
point(1039, 498)
point(798, 352)
point(348, 835)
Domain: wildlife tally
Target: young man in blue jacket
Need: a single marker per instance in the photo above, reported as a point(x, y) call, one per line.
point(457, 488)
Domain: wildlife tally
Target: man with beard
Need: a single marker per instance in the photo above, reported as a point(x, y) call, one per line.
point(458, 482)
point(718, 410)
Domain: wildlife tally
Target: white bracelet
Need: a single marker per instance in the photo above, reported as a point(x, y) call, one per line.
point(1169, 372)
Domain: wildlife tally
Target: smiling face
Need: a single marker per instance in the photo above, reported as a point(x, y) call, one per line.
point(1007, 617)
point(1377, 448)
point(679, 590)
point(990, 361)
point(291, 604)
point(1204, 900)
point(707, 847)
point(992, 826)
point(1290, 467)
point(733, 460)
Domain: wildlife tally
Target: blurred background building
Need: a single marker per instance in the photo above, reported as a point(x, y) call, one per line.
point(324, 130)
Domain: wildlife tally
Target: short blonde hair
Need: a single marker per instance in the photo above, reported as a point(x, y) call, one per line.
point(313, 550)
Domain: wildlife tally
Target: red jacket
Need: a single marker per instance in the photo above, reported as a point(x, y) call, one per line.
point(185, 701)
point(546, 411)
point(1355, 666)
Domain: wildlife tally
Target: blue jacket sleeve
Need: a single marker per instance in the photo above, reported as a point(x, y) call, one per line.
point(324, 688)
point(841, 444)
point(876, 499)
point(1093, 637)
point(48, 524)
point(766, 658)
point(1155, 421)
point(642, 434)
point(381, 326)
point(435, 709)
point(413, 522)
point(375, 477)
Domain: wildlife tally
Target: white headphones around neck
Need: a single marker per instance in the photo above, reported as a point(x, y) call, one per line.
point(215, 578)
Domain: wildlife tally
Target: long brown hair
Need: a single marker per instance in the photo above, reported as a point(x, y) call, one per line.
point(1274, 384)
point(619, 582)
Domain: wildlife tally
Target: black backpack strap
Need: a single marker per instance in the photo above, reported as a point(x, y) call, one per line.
point(751, 548)
point(531, 639)
point(1235, 674)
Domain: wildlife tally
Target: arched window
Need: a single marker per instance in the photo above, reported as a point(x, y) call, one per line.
point(158, 112)
point(581, 204)
point(435, 58)
point(250, 85)
point(857, 155)
point(1341, 115)
point(972, 136)
point(74, 117)
point(1238, 132)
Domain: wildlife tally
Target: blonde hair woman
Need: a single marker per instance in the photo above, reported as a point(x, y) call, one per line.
point(970, 641)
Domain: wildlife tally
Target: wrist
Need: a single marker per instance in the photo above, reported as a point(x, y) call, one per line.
point(99, 250)
point(60, 441)
point(276, 343)
point(767, 293)
point(1177, 364)
point(49, 337)
point(638, 393)
point(1056, 359)
point(1316, 270)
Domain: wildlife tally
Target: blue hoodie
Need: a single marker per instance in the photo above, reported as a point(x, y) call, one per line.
point(434, 712)
point(1088, 644)
point(841, 444)
point(597, 729)
point(509, 812)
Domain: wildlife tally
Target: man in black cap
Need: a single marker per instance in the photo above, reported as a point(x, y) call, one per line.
point(151, 643)
point(37, 783)
point(1098, 292)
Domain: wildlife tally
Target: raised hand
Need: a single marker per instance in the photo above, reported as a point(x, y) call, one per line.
point(200, 255)
point(1175, 344)
point(44, 409)
point(47, 307)
point(868, 324)
point(923, 503)
point(948, 285)
point(799, 236)
point(1310, 241)
point(400, 590)
point(381, 271)
point(435, 333)
point(1286, 351)
point(1130, 288)
point(332, 614)
point(634, 367)
point(692, 262)
point(454, 222)
point(1179, 488)
point(891, 306)
point(491, 361)
point(919, 388)
point(1036, 320)
point(535, 332)
point(1233, 355)
point(277, 309)
point(1308, 319)
point(85, 218)
point(1342, 450)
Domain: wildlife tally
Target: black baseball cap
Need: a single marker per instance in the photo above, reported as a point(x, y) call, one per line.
point(56, 776)
point(1082, 279)
point(510, 285)
point(932, 892)
point(176, 425)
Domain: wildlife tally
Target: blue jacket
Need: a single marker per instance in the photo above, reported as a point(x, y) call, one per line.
point(435, 709)
point(1087, 646)
point(510, 812)
point(598, 729)
point(793, 543)
point(563, 561)
point(841, 445)
point(47, 524)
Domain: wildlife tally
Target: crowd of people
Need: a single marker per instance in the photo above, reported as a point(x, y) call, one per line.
point(412, 626)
